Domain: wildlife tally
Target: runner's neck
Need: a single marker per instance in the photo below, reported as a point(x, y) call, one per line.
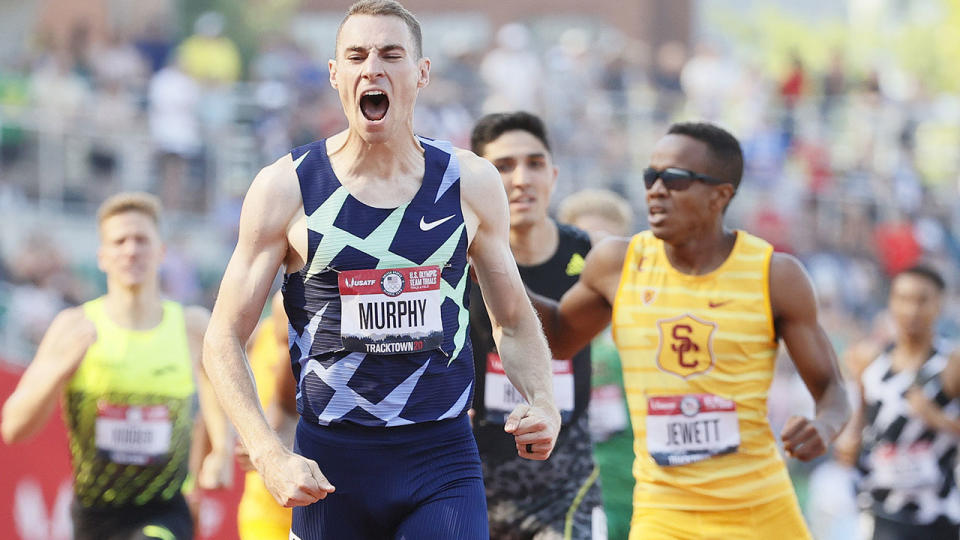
point(353, 158)
point(910, 354)
point(701, 254)
point(134, 310)
point(535, 244)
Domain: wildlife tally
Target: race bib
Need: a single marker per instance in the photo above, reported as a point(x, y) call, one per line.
point(688, 428)
point(500, 397)
point(133, 435)
point(391, 311)
point(904, 468)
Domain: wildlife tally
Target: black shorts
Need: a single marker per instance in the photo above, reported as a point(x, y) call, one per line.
point(164, 520)
point(888, 529)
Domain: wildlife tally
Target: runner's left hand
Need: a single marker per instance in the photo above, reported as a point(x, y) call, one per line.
point(535, 430)
point(804, 439)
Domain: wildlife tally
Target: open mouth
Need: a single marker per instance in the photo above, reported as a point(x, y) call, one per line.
point(656, 214)
point(374, 105)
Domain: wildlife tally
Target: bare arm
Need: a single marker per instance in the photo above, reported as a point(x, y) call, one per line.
point(216, 468)
point(269, 210)
point(585, 309)
point(522, 347)
point(281, 408)
point(61, 350)
point(795, 316)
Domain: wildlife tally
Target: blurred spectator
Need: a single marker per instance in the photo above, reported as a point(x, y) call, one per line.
point(42, 285)
point(707, 80)
point(155, 45)
point(208, 56)
point(897, 246)
point(670, 59)
point(794, 85)
point(179, 279)
point(512, 72)
point(175, 128)
point(834, 84)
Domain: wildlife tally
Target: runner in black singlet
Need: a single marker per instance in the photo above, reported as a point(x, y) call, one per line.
point(558, 498)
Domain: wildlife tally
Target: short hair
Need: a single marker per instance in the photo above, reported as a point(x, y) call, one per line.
point(130, 201)
point(492, 126)
point(724, 147)
point(925, 272)
point(389, 8)
point(596, 202)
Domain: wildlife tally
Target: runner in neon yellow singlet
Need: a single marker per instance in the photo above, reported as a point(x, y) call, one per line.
point(128, 365)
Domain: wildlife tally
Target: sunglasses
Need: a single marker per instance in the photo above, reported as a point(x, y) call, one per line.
point(676, 179)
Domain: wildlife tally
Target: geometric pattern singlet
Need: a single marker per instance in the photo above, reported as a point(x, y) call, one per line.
point(908, 465)
point(336, 384)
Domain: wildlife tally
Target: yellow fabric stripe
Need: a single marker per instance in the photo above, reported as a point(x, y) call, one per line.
point(656, 269)
point(748, 316)
point(581, 493)
point(711, 294)
point(158, 531)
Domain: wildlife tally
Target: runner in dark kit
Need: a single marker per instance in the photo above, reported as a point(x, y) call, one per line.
point(558, 498)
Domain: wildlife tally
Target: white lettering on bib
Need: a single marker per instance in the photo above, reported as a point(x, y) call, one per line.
point(391, 311)
point(688, 428)
point(133, 435)
point(500, 397)
point(904, 468)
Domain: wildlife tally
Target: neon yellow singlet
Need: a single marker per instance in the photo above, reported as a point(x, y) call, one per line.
point(698, 357)
point(259, 517)
point(129, 410)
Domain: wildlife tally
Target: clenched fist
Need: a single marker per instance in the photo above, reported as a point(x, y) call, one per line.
point(535, 430)
point(804, 439)
point(292, 479)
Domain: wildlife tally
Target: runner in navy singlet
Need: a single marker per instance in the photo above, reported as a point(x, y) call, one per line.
point(375, 228)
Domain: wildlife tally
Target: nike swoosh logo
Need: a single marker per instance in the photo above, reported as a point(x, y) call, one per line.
point(718, 304)
point(424, 226)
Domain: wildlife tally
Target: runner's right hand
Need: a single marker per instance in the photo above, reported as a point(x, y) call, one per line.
point(292, 479)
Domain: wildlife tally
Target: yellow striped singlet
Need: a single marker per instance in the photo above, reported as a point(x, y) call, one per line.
point(698, 357)
point(129, 409)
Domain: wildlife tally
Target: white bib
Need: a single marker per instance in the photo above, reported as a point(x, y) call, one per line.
point(904, 468)
point(133, 435)
point(391, 311)
point(500, 397)
point(688, 428)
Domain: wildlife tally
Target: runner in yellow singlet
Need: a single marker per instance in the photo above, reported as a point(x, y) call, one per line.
point(259, 517)
point(697, 312)
point(128, 366)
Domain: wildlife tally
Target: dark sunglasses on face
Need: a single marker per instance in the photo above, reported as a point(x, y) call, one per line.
point(676, 179)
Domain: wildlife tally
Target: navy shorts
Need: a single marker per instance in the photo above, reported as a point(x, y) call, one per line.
point(419, 481)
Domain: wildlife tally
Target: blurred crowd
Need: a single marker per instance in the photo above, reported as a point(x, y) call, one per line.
point(852, 168)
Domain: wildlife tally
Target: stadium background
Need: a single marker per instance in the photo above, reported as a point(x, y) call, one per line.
point(849, 113)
